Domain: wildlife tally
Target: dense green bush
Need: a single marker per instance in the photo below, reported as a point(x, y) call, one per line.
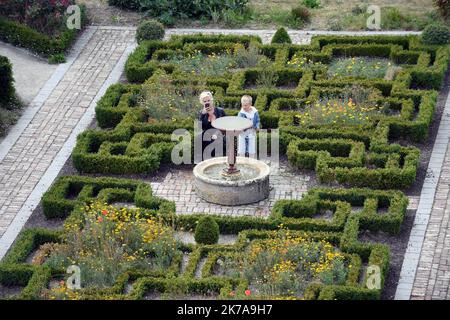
point(313, 4)
point(7, 91)
point(207, 231)
point(150, 30)
point(281, 36)
point(9, 104)
point(436, 34)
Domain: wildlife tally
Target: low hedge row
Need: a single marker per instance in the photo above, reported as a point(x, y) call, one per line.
point(71, 191)
point(68, 195)
point(23, 36)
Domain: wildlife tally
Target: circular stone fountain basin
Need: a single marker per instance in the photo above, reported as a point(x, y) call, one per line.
point(249, 186)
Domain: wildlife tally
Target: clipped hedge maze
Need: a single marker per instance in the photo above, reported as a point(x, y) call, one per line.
point(353, 210)
point(363, 156)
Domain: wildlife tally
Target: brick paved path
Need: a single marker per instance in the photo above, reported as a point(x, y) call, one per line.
point(178, 186)
point(426, 268)
point(24, 161)
point(432, 280)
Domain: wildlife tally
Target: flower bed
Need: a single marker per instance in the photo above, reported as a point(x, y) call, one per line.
point(336, 257)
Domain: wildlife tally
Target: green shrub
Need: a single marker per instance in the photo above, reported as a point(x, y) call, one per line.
point(150, 30)
point(301, 14)
point(167, 19)
point(436, 34)
point(7, 91)
point(281, 36)
point(313, 4)
point(207, 231)
point(57, 58)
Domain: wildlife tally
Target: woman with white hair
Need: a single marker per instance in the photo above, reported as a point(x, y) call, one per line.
point(209, 113)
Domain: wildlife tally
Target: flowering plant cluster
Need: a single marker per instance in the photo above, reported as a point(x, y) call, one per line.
point(285, 264)
point(109, 241)
point(360, 67)
point(336, 112)
point(166, 101)
point(299, 61)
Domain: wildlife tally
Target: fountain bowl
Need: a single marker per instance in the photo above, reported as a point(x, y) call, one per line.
point(250, 185)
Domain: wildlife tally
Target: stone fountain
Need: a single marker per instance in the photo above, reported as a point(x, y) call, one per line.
point(232, 180)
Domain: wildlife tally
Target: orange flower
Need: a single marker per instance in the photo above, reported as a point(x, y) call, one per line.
point(100, 219)
point(232, 294)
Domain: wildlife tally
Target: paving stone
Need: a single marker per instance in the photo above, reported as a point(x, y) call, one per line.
point(30, 153)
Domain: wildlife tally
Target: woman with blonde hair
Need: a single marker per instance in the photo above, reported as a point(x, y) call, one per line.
point(208, 114)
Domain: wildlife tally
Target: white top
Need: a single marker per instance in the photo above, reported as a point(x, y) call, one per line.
point(251, 114)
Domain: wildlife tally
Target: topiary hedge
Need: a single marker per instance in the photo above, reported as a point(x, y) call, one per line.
point(149, 30)
point(70, 194)
point(436, 34)
point(207, 231)
point(281, 36)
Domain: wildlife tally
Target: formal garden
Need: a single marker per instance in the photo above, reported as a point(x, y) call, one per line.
point(354, 112)
point(354, 116)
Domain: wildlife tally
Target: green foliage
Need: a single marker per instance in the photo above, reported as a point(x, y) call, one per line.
point(281, 36)
point(207, 231)
point(9, 104)
point(165, 101)
point(313, 4)
point(57, 58)
point(436, 34)
point(359, 67)
point(150, 30)
point(392, 18)
point(338, 237)
point(7, 91)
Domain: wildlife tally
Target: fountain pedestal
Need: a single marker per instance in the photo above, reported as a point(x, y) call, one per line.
point(232, 180)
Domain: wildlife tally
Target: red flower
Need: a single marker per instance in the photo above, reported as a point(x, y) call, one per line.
point(100, 219)
point(104, 212)
point(248, 292)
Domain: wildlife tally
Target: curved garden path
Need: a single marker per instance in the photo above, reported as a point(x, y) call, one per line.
point(35, 150)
